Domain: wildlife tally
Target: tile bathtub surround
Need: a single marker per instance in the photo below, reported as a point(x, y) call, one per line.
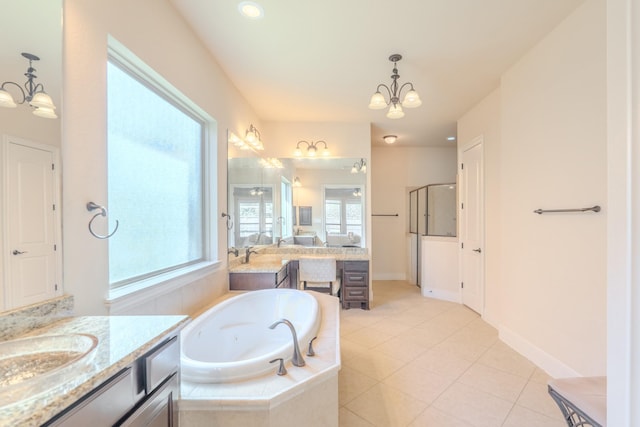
point(20, 321)
point(121, 340)
point(417, 362)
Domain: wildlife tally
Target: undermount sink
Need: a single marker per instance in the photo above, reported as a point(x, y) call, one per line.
point(32, 366)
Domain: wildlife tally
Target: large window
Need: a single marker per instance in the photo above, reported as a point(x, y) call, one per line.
point(156, 169)
point(254, 208)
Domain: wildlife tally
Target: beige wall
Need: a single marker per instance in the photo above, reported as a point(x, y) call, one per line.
point(166, 44)
point(394, 171)
point(546, 274)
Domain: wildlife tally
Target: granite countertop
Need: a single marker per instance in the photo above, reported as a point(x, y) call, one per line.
point(121, 340)
point(272, 263)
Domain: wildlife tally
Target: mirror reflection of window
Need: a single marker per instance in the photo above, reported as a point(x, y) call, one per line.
point(254, 216)
point(343, 216)
point(285, 220)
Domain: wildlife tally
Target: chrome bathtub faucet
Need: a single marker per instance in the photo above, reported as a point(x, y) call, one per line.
point(297, 359)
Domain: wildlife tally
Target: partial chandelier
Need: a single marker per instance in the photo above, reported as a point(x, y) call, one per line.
point(33, 93)
point(411, 98)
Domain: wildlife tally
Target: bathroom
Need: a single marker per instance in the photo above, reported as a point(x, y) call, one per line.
point(542, 258)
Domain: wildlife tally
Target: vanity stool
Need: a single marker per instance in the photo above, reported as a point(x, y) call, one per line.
point(582, 400)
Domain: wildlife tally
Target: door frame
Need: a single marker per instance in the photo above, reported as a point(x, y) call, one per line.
point(478, 140)
point(5, 299)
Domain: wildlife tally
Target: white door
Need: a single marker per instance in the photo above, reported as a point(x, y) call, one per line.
point(30, 248)
point(472, 225)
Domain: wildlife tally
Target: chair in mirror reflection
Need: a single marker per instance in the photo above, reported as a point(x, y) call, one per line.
point(318, 274)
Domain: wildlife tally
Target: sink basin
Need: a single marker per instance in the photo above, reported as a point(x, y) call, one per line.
point(32, 366)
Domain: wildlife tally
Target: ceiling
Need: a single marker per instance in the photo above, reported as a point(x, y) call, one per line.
point(320, 61)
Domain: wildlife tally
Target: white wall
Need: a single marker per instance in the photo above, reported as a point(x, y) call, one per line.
point(546, 282)
point(167, 45)
point(394, 171)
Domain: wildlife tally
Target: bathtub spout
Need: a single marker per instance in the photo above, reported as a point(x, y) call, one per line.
point(297, 358)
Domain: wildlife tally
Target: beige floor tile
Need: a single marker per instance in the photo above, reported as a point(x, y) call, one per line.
point(520, 416)
point(476, 407)
point(391, 327)
point(504, 358)
point(498, 383)
point(464, 349)
point(401, 348)
point(346, 418)
point(348, 325)
point(352, 384)
point(475, 335)
point(384, 406)
point(535, 396)
point(431, 417)
point(425, 337)
point(419, 383)
point(442, 363)
point(540, 376)
point(350, 349)
point(373, 364)
point(368, 337)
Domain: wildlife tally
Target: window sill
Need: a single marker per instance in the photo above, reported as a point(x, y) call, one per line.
point(124, 297)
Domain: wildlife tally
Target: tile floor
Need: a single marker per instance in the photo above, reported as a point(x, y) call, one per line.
point(414, 361)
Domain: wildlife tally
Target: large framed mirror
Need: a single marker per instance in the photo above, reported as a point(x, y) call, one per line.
point(289, 201)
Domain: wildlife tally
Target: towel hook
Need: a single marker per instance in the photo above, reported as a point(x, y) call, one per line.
point(103, 212)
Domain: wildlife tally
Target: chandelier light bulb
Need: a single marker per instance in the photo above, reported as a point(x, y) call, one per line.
point(6, 100)
point(377, 101)
point(395, 112)
point(412, 99)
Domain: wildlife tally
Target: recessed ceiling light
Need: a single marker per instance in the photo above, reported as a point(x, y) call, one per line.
point(251, 10)
point(451, 138)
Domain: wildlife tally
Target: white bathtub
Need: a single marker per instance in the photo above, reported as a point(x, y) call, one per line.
point(232, 340)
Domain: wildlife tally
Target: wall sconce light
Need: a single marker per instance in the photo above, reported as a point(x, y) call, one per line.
point(411, 99)
point(235, 140)
point(312, 149)
point(34, 94)
point(271, 163)
point(390, 139)
point(296, 182)
point(357, 192)
point(253, 138)
point(360, 166)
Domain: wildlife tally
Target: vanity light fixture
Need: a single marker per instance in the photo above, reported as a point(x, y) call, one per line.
point(390, 139)
point(253, 138)
point(235, 140)
point(411, 98)
point(271, 163)
point(296, 182)
point(360, 166)
point(256, 191)
point(312, 149)
point(357, 192)
point(32, 93)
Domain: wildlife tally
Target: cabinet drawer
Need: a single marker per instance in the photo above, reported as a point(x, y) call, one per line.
point(282, 275)
point(356, 294)
point(161, 363)
point(356, 279)
point(350, 266)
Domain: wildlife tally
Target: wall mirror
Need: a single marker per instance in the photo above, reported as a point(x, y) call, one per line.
point(33, 26)
point(288, 205)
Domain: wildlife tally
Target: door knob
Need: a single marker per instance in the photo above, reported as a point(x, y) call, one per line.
point(477, 250)
point(17, 252)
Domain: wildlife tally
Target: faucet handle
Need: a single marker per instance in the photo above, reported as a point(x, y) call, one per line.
point(281, 369)
point(310, 351)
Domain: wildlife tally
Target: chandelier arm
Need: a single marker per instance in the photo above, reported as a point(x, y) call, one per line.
point(387, 88)
point(403, 86)
point(24, 96)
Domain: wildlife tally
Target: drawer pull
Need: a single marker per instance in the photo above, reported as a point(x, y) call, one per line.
point(356, 277)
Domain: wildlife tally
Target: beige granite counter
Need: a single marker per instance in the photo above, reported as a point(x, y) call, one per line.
point(271, 260)
point(121, 340)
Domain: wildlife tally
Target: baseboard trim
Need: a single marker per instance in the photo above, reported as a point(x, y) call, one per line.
point(552, 366)
point(442, 295)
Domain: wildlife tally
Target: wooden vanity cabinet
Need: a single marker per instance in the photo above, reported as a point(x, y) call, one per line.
point(355, 284)
point(255, 281)
point(354, 276)
point(144, 393)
